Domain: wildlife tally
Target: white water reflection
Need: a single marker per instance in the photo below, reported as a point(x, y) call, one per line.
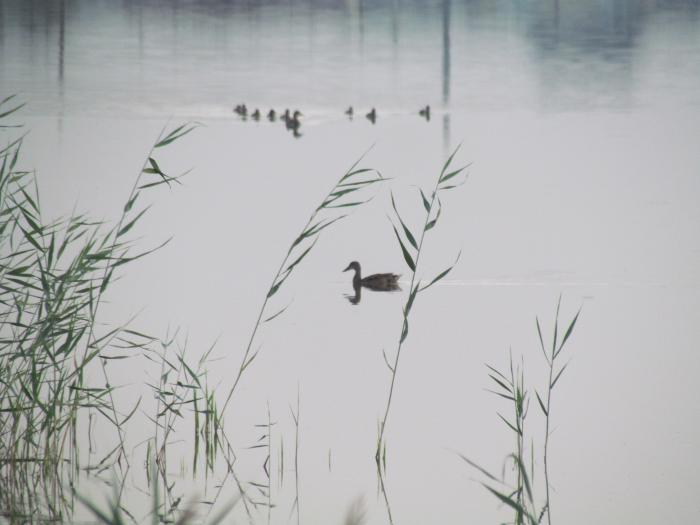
point(582, 122)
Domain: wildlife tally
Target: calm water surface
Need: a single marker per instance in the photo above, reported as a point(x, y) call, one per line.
point(582, 120)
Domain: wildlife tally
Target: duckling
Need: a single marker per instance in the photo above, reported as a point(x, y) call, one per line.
point(293, 122)
point(255, 115)
point(380, 282)
point(285, 116)
point(242, 111)
point(237, 109)
point(349, 112)
point(425, 112)
point(271, 115)
point(372, 116)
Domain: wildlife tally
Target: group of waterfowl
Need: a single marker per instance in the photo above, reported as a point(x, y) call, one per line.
point(292, 122)
point(290, 119)
point(372, 115)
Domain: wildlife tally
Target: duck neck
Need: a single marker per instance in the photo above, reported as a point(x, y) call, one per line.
point(357, 278)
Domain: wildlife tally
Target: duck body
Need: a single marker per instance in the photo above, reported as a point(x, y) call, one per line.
point(293, 122)
point(271, 115)
point(255, 115)
point(425, 112)
point(381, 282)
point(372, 116)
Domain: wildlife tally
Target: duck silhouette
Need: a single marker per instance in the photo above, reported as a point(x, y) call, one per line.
point(372, 116)
point(293, 123)
point(425, 112)
point(379, 282)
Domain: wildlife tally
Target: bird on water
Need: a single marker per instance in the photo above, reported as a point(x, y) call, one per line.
point(381, 282)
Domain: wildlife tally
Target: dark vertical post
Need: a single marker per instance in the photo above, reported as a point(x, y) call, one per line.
point(446, 74)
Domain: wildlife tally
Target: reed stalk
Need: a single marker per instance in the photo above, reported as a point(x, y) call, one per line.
point(411, 251)
point(321, 218)
point(512, 387)
point(551, 382)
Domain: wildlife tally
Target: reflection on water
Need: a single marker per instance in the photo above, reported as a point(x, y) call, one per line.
point(165, 58)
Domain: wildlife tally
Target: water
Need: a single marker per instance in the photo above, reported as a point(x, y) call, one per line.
point(581, 120)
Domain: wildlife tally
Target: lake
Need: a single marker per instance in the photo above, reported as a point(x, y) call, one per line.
point(581, 122)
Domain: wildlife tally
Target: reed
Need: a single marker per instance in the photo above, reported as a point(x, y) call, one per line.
point(353, 180)
point(53, 277)
point(411, 251)
point(511, 386)
point(554, 375)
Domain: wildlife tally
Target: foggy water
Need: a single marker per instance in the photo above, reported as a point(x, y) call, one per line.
point(582, 122)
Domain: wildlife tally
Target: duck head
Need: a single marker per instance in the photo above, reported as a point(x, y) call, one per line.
point(354, 265)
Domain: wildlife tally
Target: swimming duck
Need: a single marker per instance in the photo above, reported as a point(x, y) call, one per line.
point(293, 122)
point(425, 112)
point(381, 282)
point(255, 115)
point(285, 116)
point(242, 110)
point(271, 115)
point(372, 116)
point(349, 112)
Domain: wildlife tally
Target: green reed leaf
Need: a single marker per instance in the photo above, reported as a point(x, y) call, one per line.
point(426, 203)
point(539, 333)
point(407, 256)
point(501, 383)
point(404, 330)
point(408, 233)
point(298, 259)
point(174, 135)
point(131, 223)
point(477, 467)
point(449, 161)
point(554, 382)
point(516, 430)
point(431, 224)
point(539, 400)
point(568, 333)
point(442, 274)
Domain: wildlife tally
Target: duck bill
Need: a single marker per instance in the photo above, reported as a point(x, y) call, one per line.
point(348, 268)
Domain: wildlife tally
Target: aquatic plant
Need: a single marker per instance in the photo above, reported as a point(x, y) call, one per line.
point(411, 251)
point(53, 278)
point(353, 180)
point(511, 386)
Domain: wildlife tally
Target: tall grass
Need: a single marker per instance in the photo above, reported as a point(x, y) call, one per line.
point(511, 386)
point(326, 213)
point(554, 376)
point(53, 278)
point(411, 251)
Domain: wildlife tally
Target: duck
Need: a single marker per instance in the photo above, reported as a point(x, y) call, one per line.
point(425, 112)
point(349, 112)
point(241, 110)
point(285, 116)
point(271, 115)
point(293, 122)
point(255, 115)
point(372, 116)
point(381, 282)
